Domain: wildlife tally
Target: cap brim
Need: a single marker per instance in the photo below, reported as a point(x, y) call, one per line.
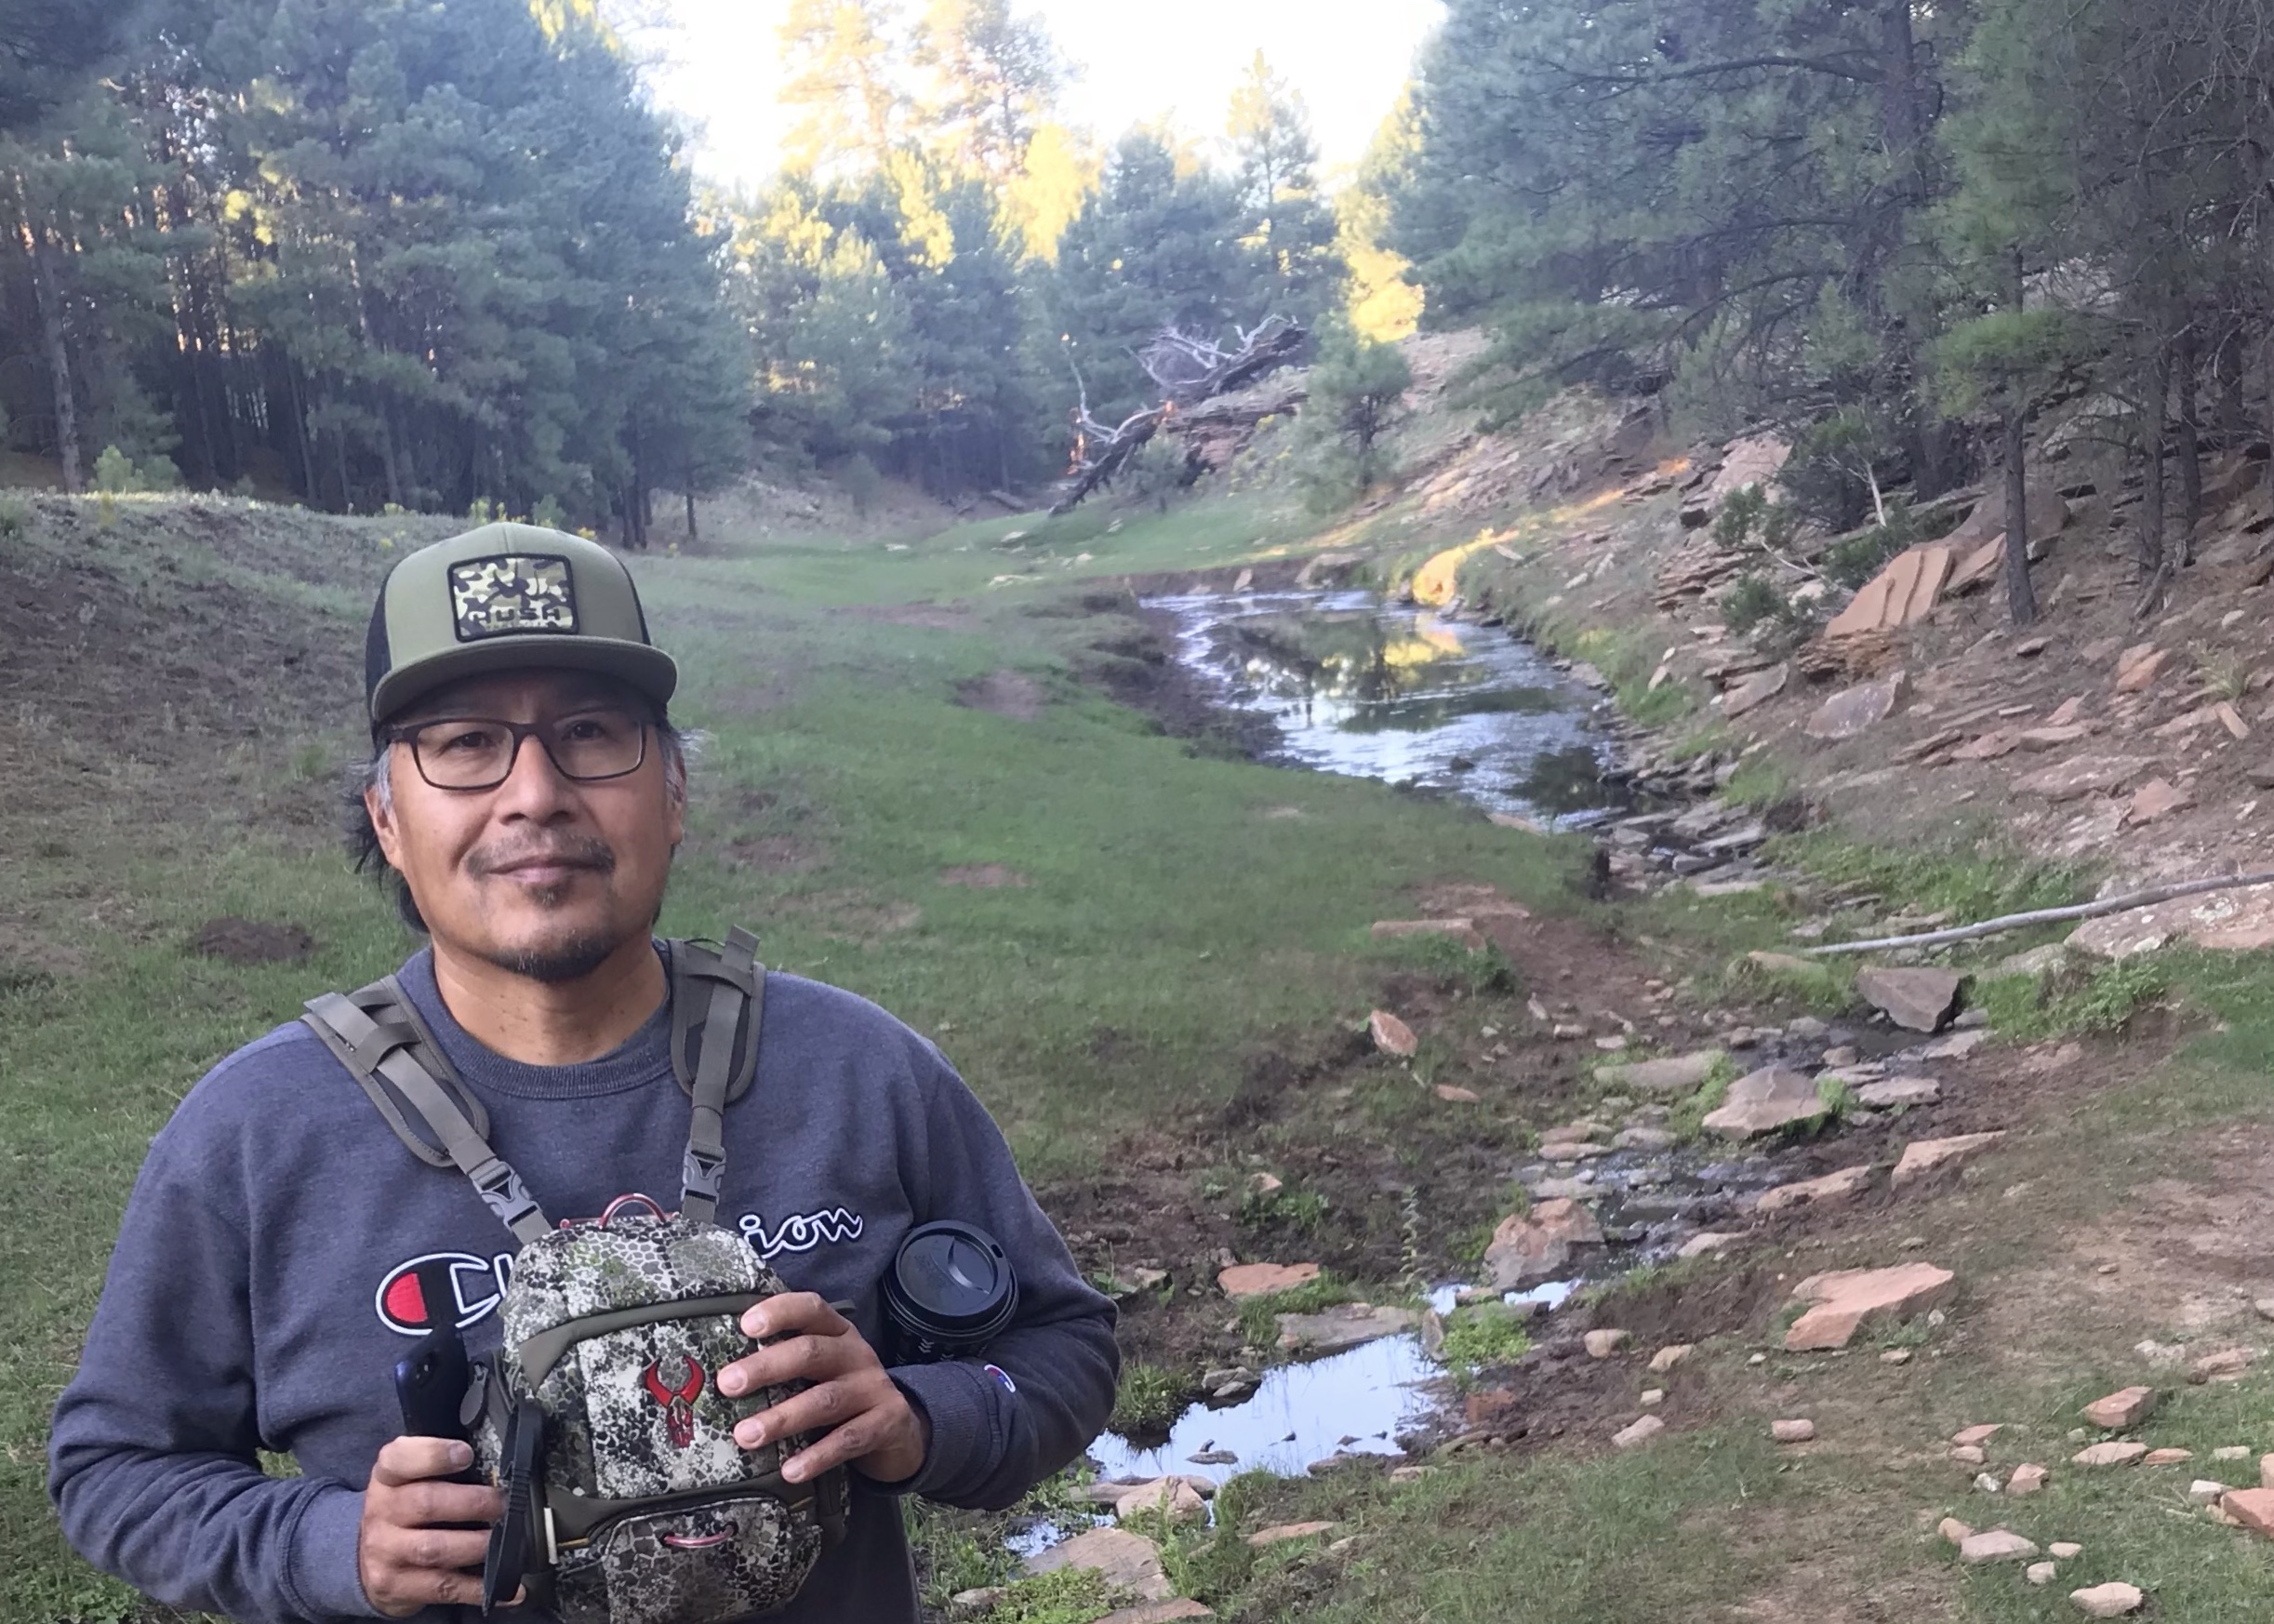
point(649, 669)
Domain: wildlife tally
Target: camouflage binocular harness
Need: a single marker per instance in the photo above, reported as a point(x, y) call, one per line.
point(628, 1500)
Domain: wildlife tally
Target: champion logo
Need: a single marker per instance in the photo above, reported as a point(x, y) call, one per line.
point(477, 1287)
point(802, 1232)
point(678, 1401)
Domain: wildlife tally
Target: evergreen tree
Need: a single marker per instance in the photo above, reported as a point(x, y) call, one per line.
point(1275, 160)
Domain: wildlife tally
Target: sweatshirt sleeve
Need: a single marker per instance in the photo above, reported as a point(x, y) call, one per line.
point(1006, 1420)
point(154, 1465)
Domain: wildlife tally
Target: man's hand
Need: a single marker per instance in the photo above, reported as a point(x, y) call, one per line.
point(405, 1557)
point(866, 1420)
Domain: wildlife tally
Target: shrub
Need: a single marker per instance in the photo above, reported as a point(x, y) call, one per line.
point(1751, 600)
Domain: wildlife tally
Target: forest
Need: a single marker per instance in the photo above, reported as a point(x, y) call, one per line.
point(452, 258)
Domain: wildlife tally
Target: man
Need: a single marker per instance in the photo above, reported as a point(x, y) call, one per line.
point(525, 796)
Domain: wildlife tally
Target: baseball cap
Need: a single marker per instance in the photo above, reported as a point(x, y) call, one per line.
point(507, 598)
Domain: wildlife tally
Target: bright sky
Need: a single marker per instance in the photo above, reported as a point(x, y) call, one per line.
point(1347, 58)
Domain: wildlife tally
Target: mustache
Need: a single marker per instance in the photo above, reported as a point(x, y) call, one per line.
point(575, 851)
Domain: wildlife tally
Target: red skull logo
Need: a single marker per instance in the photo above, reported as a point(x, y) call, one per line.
point(679, 1405)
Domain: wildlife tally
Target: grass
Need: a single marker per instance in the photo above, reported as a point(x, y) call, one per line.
point(1259, 1316)
point(1149, 1399)
point(2032, 1010)
point(1484, 1335)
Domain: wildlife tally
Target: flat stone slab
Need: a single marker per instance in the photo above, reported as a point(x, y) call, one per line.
point(1997, 1545)
point(1637, 1433)
point(1832, 1189)
point(1898, 1091)
point(1764, 1101)
point(1674, 1074)
point(2117, 1452)
point(1350, 1326)
point(1844, 1301)
point(1244, 1279)
point(2084, 775)
point(1171, 1497)
point(1530, 1248)
point(2112, 1600)
point(1158, 1613)
point(1851, 711)
point(1391, 1035)
point(1464, 931)
point(1916, 998)
point(1756, 690)
point(2124, 1409)
point(1128, 1560)
point(1922, 1157)
point(1280, 1532)
point(2254, 1507)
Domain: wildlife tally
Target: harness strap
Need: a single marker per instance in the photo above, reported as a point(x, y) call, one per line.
point(385, 1047)
point(728, 1060)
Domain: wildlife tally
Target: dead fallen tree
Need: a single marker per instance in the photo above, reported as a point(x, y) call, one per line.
point(1216, 431)
point(1187, 369)
point(1998, 926)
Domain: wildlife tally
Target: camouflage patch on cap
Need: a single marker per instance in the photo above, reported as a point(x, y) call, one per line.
point(512, 594)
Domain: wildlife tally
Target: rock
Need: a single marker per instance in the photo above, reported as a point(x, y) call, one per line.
point(1652, 1397)
point(2166, 1456)
point(2252, 1508)
point(1847, 1299)
point(1922, 1157)
point(1280, 1532)
point(2205, 1492)
point(1454, 1094)
point(1245, 1279)
point(1464, 931)
point(2155, 799)
point(1794, 1432)
point(2226, 1365)
point(1957, 1045)
point(2036, 961)
point(1158, 1613)
point(1968, 1455)
point(1766, 1100)
point(1170, 1495)
point(1263, 1186)
point(2041, 1573)
point(1560, 1190)
point(1981, 1434)
point(2027, 1480)
point(2065, 1550)
point(2047, 738)
point(1642, 1138)
point(1986, 1481)
point(1637, 1432)
point(1391, 1035)
point(2112, 1600)
point(1756, 690)
point(1898, 1092)
point(2111, 1454)
point(1349, 1325)
point(1124, 1559)
point(1998, 1545)
point(1212, 1458)
point(2231, 1452)
point(1784, 964)
point(1915, 998)
point(1665, 1358)
point(1896, 1356)
point(1675, 1075)
point(1956, 1532)
point(976, 1601)
point(1832, 1189)
point(2084, 775)
point(2122, 1409)
point(1708, 1243)
point(1603, 1343)
point(1531, 1247)
point(1852, 711)
point(2138, 666)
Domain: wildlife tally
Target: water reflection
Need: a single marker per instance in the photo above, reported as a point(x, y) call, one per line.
point(1386, 691)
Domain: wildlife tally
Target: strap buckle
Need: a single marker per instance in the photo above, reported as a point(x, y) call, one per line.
point(501, 1187)
point(701, 1172)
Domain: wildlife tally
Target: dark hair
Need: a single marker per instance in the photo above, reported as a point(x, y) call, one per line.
point(373, 773)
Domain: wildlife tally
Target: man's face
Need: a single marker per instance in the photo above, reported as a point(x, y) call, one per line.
point(541, 875)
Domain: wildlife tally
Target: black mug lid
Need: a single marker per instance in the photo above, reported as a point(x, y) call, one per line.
point(950, 1279)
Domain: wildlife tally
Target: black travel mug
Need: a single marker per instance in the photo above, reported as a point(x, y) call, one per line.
point(950, 1292)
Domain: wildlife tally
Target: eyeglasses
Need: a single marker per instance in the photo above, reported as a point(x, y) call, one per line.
point(475, 752)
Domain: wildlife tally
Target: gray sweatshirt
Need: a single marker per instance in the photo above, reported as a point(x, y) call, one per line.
point(263, 1286)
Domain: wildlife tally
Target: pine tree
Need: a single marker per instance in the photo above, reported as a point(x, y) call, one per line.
point(1275, 160)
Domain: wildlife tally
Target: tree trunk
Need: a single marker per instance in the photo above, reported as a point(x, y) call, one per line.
point(1902, 114)
point(2020, 595)
point(2228, 367)
point(58, 344)
point(692, 538)
point(2153, 422)
point(2190, 451)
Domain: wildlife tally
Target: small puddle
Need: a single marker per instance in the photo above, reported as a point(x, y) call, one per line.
point(1388, 691)
point(1353, 1403)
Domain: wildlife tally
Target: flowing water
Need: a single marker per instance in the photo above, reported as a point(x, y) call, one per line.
point(1355, 685)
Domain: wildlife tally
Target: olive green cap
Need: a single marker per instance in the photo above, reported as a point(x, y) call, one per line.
point(507, 598)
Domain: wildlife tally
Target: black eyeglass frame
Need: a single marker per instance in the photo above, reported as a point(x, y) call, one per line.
point(407, 733)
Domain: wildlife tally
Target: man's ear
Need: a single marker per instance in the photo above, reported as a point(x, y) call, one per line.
point(383, 825)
